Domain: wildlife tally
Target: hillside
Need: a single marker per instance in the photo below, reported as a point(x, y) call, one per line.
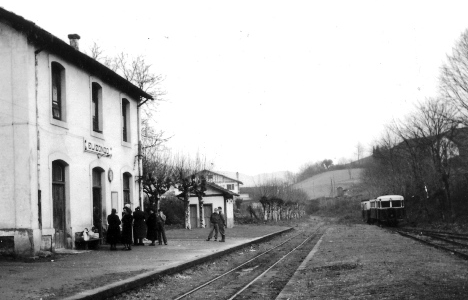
point(320, 185)
point(250, 181)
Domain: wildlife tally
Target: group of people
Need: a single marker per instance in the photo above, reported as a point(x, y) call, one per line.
point(138, 226)
point(218, 222)
point(135, 228)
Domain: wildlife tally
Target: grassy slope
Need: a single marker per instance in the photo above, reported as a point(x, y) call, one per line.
point(320, 185)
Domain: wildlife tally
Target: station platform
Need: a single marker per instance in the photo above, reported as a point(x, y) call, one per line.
point(96, 274)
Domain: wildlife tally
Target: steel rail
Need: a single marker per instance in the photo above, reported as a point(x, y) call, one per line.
point(232, 270)
point(451, 234)
point(435, 236)
point(460, 254)
point(277, 262)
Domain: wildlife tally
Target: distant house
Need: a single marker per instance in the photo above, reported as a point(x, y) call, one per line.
point(215, 196)
point(221, 191)
point(223, 181)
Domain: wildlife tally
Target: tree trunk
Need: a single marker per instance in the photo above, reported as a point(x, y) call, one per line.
point(202, 212)
point(187, 211)
point(445, 180)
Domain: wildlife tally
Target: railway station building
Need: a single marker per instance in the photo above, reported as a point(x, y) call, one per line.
point(69, 129)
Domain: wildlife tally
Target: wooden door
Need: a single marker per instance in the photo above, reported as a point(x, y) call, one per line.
point(97, 200)
point(207, 210)
point(58, 203)
point(193, 216)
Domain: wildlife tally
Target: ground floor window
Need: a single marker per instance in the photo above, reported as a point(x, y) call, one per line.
point(126, 188)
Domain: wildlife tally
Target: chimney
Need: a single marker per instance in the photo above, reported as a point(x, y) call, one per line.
point(74, 41)
point(237, 176)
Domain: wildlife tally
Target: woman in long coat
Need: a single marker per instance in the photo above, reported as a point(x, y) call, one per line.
point(139, 227)
point(151, 224)
point(113, 230)
point(127, 221)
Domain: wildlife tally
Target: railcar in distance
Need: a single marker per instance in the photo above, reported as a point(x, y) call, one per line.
point(388, 209)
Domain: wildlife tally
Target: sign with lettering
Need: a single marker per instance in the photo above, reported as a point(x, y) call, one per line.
point(96, 148)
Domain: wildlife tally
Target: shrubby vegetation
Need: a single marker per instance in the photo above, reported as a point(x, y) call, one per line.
point(424, 155)
point(278, 201)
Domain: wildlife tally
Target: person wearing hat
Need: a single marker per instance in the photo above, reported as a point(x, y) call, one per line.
point(222, 224)
point(214, 220)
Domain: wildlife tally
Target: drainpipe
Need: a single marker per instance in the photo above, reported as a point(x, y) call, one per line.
point(140, 173)
point(36, 83)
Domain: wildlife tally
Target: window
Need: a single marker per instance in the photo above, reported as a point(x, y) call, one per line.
point(58, 91)
point(209, 178)
point(126, 188)
point(97, 107)
point(396, 203)
point(125, 120)
point(230, 187)
point(385, 204)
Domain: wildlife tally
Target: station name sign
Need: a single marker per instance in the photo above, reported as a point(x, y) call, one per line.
point(98, 149)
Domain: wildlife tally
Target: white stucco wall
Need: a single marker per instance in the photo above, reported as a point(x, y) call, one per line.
point(66, 142)
point(18, 142)
point(25, 166)
point(216, 201)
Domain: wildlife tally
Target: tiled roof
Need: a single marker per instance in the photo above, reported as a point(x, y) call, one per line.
point(47, 41)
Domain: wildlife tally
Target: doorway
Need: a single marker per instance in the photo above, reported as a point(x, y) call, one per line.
point(207, 211)
point(59, 204)
point(193, 216)
point(97, 199)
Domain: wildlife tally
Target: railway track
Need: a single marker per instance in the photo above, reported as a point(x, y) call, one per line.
point(263, 276)
point(454, 243)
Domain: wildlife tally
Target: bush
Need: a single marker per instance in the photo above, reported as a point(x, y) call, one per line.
point(346, 210)
point(173, 208)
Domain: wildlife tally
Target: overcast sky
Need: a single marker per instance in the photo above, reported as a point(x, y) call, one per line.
point(264, 86)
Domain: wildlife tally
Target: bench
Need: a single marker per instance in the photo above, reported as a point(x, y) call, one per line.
point(92, 243)
point(89, 244)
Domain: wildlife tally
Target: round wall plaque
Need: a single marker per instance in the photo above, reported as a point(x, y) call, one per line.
point(110, 175)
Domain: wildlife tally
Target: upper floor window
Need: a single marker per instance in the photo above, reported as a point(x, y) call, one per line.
point(58, 91)
point(125, 120)
point(230, 187)
point(97, 107)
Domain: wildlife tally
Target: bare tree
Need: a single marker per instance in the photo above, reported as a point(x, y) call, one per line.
point(454, 78)
point(434, 128)
point(359, 152)
point(188, 180)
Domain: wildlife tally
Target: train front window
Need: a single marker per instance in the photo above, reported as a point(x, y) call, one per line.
point(385, 204)
point(397, 204)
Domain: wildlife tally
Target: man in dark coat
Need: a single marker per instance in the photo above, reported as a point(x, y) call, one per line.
point(214, 220)
point(152, 225)
point(139, 227)
point(113, 230)
point(222, 224)
point(161, 219)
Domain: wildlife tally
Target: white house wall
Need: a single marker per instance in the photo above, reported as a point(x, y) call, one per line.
point(18, 140)
point(23, 162)
point(216, 201)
